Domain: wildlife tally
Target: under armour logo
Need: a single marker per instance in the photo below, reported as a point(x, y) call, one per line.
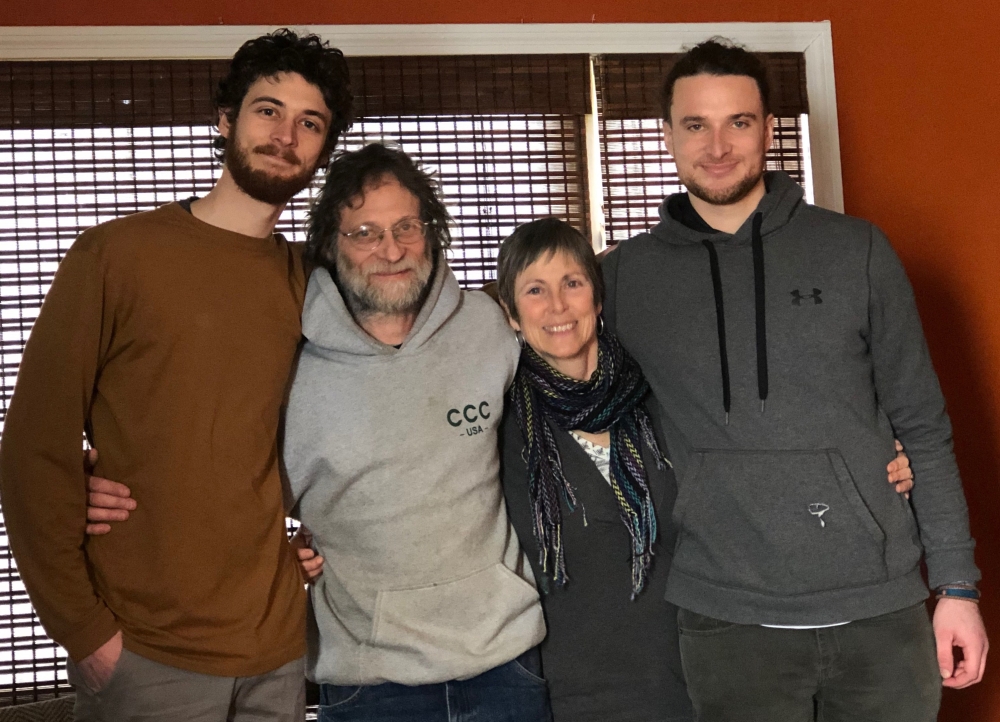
point(818, 510)
point(798, 297)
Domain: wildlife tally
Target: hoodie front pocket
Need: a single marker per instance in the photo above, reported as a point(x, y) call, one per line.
point(778, 522)
point(454, 629)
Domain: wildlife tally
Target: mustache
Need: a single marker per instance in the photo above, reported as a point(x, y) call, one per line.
point(287, 155)
point(380, 266)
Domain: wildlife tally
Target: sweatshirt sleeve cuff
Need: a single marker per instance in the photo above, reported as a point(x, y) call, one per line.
point(949, 567)
point(85, 640)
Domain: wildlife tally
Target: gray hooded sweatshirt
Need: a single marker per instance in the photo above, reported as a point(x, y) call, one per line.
point(784, 358)
point(392, 461)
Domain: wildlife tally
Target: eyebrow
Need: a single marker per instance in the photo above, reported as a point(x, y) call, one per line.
point(275, 101)
point(404, 218)
point(565, 277)
point(735, 116)
point(267, 99)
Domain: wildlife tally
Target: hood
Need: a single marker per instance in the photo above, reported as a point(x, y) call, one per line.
point(328, 325)
point(776, 208)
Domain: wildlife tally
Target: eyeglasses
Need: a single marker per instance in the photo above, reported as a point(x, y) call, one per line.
point(367, 237)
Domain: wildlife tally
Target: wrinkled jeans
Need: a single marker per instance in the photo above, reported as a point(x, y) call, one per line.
point(512, 692)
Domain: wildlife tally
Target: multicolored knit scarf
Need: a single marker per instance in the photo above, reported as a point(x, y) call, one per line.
point(610, 400)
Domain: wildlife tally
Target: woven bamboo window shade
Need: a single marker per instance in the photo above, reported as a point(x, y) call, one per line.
point(85, 142)
point(504, 133)
point(637, 171)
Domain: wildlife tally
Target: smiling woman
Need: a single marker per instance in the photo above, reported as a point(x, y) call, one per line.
point(578, 446)
point(551, 289)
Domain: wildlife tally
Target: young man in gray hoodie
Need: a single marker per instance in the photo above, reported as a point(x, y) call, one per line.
point(426, 608)
point(783, 345)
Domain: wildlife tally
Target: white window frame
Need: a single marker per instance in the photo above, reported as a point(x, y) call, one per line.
point(814, 39)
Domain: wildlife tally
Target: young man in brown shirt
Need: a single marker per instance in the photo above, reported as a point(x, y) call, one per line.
point(167, 337)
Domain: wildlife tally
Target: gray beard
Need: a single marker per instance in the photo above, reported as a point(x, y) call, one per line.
point(727, 196)
point(364, 299)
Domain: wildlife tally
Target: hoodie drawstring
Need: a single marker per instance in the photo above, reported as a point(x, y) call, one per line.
point(760, 309)
point(720, 318)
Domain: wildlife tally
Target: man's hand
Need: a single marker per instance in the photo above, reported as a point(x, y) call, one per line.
point(310, 563)
point(106, 500)
point(97, 668)
point(900, 472)
point(958, 623)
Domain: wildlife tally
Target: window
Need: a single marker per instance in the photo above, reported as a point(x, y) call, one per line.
point(511, 137)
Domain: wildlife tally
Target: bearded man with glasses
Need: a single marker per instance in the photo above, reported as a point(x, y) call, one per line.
point(366, 297)
point(427, 609)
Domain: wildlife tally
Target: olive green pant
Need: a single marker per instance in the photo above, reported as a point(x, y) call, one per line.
point(140, 689)
point(882, 669)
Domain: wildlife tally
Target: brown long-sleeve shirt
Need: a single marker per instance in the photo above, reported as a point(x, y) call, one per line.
point(170, 342)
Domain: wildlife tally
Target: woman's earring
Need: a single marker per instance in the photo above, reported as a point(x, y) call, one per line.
point(520, 338)
point(600, 325)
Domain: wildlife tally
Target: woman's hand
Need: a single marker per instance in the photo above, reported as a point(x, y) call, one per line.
point(310, 563)
point(900, 472)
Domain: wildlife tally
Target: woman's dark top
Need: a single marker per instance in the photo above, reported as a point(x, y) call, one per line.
point(606, 658)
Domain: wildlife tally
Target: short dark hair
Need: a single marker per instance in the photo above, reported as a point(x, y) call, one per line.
point(349, 175)
point(716, 56)
point(283, 51)
point(531, 241)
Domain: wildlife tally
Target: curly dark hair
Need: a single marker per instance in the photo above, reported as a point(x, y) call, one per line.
point(716, 56)
point(283, 51)
point(352, 172)
point(529, 242)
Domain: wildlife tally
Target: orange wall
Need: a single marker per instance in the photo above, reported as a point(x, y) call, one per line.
point(919, 105)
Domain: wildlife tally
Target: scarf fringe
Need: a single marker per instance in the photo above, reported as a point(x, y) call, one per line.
point(612, 400)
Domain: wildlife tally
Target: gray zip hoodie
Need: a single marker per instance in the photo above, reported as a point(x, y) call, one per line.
point(785, 357)
point(392, 461)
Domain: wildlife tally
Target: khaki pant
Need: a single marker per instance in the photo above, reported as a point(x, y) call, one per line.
point(140, 689)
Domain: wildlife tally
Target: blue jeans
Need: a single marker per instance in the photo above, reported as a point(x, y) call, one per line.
point(512, 692)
